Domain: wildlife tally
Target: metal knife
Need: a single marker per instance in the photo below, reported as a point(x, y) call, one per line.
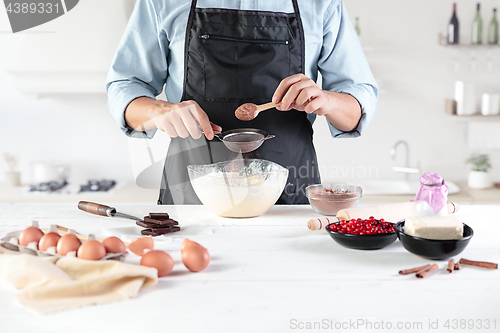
point(104, 210)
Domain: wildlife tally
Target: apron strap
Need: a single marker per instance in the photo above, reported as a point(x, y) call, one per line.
point(186, 42)
point(301, 30)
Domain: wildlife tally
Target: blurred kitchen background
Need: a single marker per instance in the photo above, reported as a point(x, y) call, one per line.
point(54, 113)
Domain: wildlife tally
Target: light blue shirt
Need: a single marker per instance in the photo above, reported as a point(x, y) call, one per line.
point(150, 56)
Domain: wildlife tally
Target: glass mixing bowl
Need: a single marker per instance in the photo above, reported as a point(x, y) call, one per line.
point(238, 188)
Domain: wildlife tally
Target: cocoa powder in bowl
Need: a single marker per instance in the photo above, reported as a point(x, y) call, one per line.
point(329, 199)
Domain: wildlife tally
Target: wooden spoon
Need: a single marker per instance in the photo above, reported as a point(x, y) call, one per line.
point(249, 111)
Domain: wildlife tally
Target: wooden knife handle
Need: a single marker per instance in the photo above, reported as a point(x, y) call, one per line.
point(96, 208)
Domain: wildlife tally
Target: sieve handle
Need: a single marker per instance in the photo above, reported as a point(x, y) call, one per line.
point(216, 134)
point(270, 136)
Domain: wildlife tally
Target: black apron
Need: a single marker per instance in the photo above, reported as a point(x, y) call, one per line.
point(234, 57)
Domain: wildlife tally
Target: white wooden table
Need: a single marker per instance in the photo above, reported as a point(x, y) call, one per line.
point(271, 274)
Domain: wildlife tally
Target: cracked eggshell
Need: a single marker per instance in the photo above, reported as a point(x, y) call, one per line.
point(141, 245)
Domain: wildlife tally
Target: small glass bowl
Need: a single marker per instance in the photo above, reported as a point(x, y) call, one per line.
point(328, 199)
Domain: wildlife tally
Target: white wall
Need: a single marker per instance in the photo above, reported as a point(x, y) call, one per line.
point(72, 129)
point(415, 75)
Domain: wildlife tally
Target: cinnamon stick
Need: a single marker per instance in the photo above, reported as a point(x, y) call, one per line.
point(484, 264)
point(457, 266)
point(451, 266)
point(414, 270)
point(423, 274)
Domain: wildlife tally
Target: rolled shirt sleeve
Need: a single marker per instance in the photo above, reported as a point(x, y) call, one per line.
point(344, 68)
point(139, 67)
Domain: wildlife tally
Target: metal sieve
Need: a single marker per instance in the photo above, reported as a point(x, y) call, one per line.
point(243, 140)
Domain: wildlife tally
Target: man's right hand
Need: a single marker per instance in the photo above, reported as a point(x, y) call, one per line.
point(177, 120)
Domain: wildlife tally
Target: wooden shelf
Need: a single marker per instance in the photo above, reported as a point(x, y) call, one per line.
point(442, 42)
point(474, 118)
point(472, 46)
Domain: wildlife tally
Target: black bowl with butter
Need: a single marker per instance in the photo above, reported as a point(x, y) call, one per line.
point(434, 249)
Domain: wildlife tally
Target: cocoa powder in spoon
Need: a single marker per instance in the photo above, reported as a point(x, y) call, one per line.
point(246, 112)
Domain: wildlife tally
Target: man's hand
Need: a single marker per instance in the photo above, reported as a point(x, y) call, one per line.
point(301, 93)
point(177, 120)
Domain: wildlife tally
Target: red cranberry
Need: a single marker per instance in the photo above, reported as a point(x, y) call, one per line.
point(359, 226)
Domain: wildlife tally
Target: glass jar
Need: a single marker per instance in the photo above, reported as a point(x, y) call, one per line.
point(432, 196)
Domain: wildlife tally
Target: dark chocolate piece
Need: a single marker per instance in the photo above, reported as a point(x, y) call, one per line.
point(159, 231)
point(159, 216)
point(160, 222)
point(165, 230)
point(156, 225)
point(149, 232)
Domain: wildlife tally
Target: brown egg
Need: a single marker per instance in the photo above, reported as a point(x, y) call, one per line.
point(186, 243)
point(141, 244)
point(160, 260)
point(68, 243)
point(114, 245)
point(48, 240)
point(195, 257)
point(30, 234)
point(91, 250)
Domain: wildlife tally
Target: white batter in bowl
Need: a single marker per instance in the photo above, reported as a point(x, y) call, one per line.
point(238, 188)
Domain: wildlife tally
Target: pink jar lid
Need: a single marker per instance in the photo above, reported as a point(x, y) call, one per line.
point(432, 190)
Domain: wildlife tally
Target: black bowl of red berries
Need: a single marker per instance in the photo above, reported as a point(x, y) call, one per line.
point(363, 234)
